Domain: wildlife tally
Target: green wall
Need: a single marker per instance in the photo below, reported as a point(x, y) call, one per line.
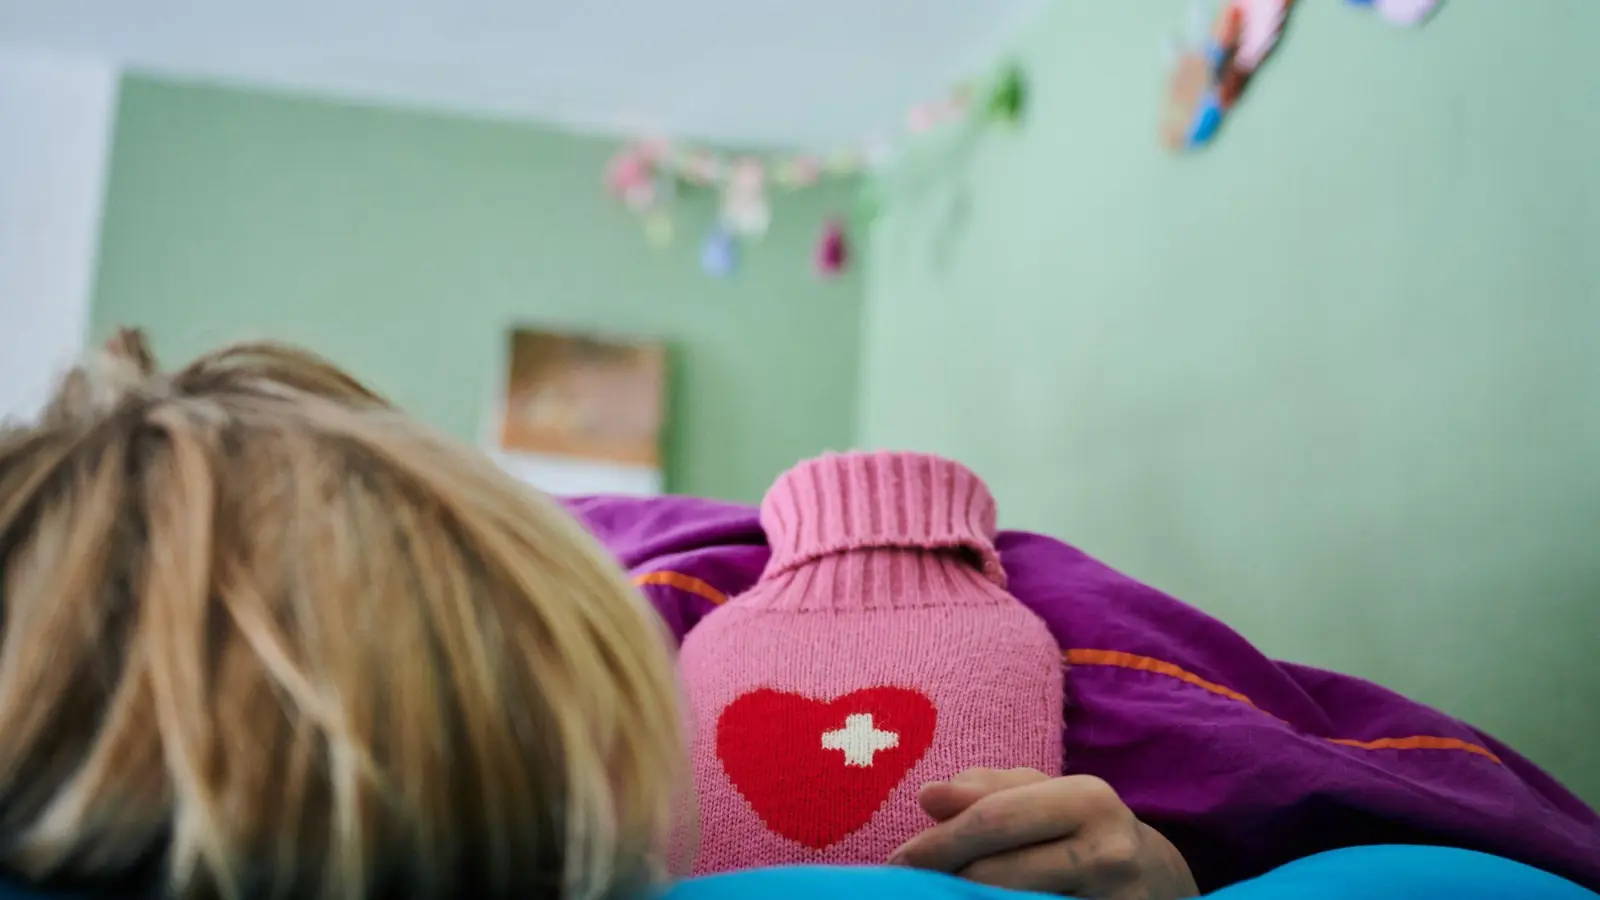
point(1334, 380)
point(404, 245)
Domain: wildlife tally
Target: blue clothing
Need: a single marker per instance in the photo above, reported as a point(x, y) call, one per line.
point(1359, 873)
point(837, 883)
point(1405, 873)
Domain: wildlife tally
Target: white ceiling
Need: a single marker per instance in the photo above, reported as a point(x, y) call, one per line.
point(809, 73)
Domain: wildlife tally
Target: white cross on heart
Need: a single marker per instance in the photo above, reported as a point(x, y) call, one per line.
point(859, 739)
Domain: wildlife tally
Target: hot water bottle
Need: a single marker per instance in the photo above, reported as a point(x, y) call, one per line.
point(879, 651)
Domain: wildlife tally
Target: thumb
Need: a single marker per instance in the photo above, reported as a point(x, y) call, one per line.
point(943, 800)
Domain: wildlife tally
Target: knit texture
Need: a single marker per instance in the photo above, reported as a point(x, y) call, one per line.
point(878, 652)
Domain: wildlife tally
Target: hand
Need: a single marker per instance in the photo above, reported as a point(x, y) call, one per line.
point(1023, 830)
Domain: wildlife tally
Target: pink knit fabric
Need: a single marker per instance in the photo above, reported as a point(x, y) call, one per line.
point(878, 652)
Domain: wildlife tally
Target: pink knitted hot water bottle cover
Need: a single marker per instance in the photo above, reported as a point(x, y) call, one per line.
point(879, 651)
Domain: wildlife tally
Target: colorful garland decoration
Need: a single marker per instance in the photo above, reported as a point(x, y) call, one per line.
point(1212, 72)
point(650, 175)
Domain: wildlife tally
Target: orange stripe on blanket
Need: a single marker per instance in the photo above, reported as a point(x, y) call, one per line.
point(1120, 660)
point(683, 582)
point(1420, 742)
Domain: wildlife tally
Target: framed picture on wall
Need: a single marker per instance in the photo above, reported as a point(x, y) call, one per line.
point(583, 414)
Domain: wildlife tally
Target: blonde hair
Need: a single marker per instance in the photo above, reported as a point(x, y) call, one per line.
point(265, 637)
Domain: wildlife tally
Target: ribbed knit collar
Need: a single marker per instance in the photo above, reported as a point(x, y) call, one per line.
point(879, 501)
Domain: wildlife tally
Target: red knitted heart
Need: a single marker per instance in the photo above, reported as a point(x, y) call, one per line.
point(815, 770)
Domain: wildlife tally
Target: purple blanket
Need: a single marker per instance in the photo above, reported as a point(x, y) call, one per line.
point(1242, 762)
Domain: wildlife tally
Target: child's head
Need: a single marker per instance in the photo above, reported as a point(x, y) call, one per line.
point(265, 637)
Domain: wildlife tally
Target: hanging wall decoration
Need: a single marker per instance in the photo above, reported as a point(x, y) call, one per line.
point(1401, 12)
point(1210, 74)
point(833, 250)
point(648, 176)
point(1212, 69)
point(719, 255)
point(1009, 99)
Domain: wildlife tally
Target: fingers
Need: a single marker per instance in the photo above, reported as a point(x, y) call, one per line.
point(1007, 820)
point(943, 799)
point(1054, 868)
point(1119, 862)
